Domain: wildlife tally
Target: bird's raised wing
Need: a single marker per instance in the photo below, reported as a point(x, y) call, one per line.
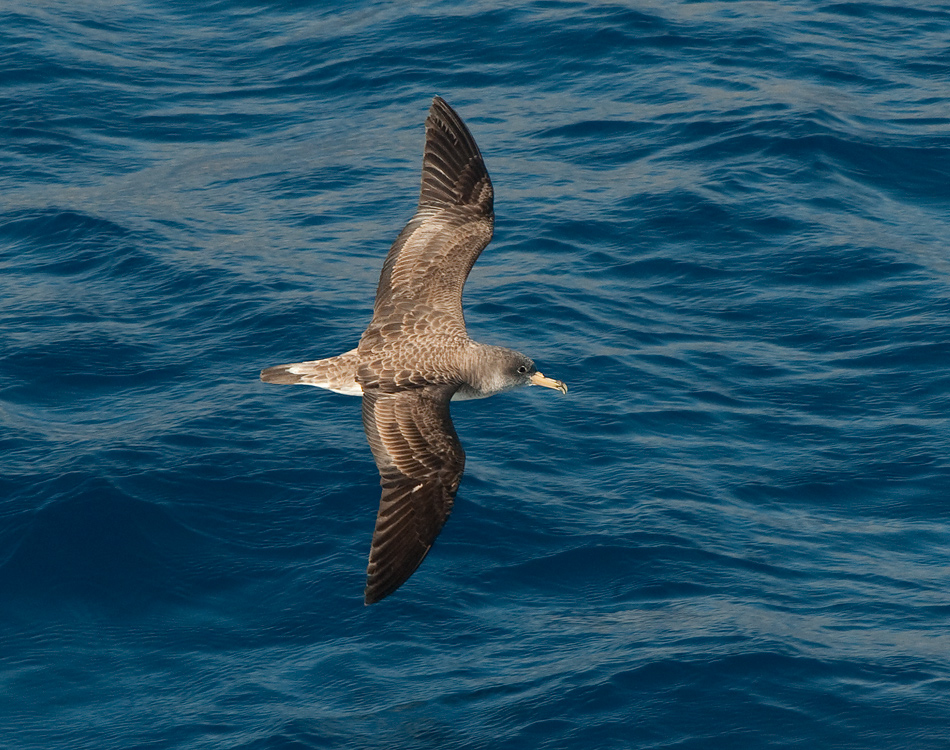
point(422, 278)
point(420, 461)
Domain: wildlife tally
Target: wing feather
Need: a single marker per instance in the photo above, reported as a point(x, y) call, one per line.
point(426, 268)
point(420, 461)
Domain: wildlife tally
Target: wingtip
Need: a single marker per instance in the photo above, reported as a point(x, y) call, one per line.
point(376, 593)
point(453, 171)
point(439, 102)
point(378, 587)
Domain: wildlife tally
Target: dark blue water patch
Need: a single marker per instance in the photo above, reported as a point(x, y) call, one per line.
point(584, 231)
point(85, 241)
point(886, 10)
point(90, 541)
point(659, 270)
point(550, 246)
point(685, 216)
point(316, 180)
point(903, 357)
point(95, 543)
point(609, 33)
point(830, 146)
point(876, 489)
point(27, 138)
point(85, 361)
point(622, 573)
point(595, 129)
point(598, 143)
point(772, 712)
point(906, 171)
point(195, 128)
point(817, 264)
point(392, 70)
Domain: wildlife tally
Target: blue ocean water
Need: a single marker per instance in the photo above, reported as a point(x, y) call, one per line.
point(724, 224)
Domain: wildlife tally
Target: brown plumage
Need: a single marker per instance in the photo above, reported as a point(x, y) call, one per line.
point(415, 356)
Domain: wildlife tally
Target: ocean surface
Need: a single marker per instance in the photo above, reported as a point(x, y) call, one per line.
point(726, 225)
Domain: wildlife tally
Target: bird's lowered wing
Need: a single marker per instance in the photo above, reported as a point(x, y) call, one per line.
point(420, 461)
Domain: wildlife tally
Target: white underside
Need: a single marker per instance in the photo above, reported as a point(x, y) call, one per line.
point(350, 390)
point(356, 390)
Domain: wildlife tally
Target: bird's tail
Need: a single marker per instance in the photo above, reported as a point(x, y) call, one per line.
point(336, 374)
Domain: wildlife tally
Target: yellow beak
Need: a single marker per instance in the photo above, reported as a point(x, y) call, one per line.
point(539, 379)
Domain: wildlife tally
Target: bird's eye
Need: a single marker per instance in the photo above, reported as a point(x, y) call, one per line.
point(523, 369)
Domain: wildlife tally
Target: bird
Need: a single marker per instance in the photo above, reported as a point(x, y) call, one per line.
point(415, 355)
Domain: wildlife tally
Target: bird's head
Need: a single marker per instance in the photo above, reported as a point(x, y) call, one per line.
point(503, 369)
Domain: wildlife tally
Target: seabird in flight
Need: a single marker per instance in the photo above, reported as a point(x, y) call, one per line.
point(416, 356)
